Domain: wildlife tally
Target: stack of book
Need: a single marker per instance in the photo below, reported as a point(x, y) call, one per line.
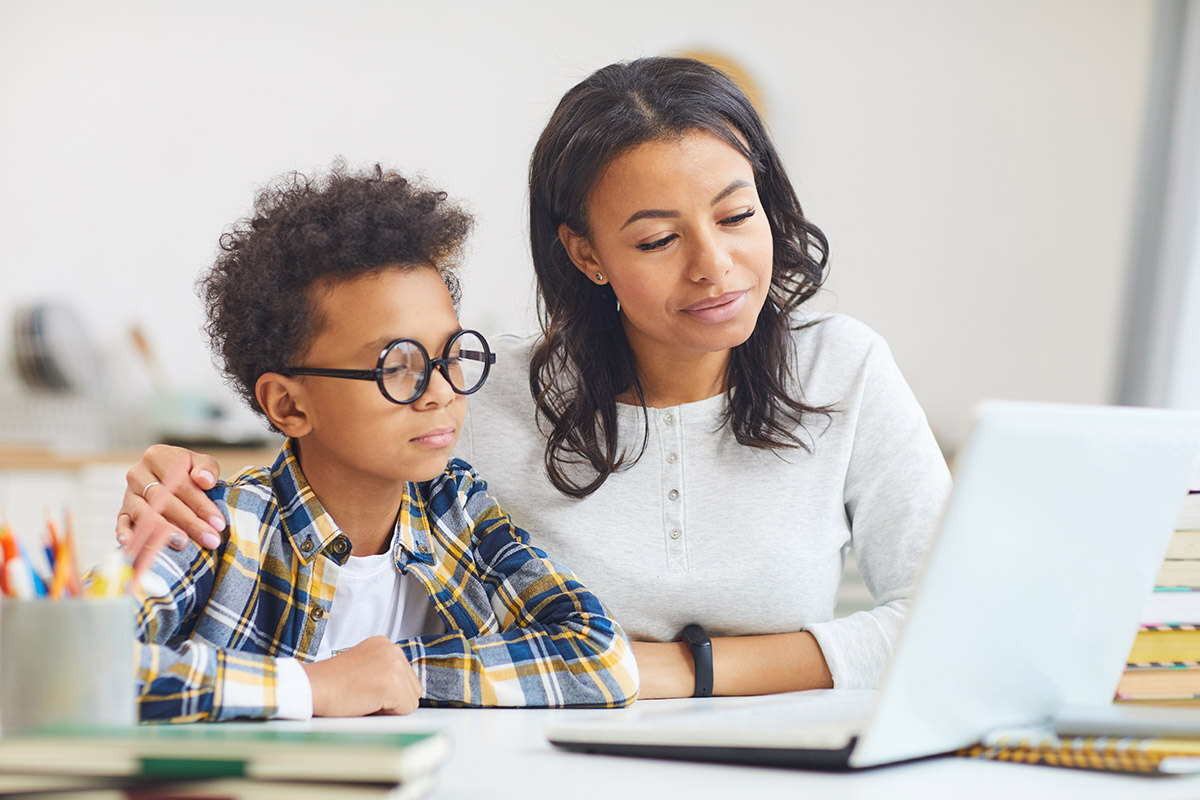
point(1164, 665)
point(240, 761)
point(1121, 738)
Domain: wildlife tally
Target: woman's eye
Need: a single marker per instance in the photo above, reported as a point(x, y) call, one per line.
point(738, 218)
point(657, 243)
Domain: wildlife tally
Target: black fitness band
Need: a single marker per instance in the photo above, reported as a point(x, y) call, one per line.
point(701, 646)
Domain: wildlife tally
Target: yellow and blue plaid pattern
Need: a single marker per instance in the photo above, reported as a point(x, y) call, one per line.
point(521, 629)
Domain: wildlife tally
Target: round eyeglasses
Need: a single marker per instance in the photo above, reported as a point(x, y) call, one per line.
point(404, 367)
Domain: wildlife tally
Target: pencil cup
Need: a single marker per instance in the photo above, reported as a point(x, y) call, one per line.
point(66, 663)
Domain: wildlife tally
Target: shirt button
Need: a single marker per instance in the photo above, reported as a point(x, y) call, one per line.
point(672, 458)
point(668, 419)
point(422, 548)
point(317, 613)
point(306, 546)
point(673, 494)
point(340, 546)
point(675, 534)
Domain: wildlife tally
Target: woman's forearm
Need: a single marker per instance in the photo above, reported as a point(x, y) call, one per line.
point(781, 662)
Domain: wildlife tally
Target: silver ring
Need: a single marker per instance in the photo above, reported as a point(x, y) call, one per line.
point(146, 488)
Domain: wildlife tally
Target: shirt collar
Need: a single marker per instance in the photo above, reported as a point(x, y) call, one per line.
point(310, 528)
point(414, 523)
point(306, 523)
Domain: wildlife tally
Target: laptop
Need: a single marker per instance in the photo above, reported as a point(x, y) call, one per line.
point(1028, 601)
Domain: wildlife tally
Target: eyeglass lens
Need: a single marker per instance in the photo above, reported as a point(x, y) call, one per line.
point(405, 369)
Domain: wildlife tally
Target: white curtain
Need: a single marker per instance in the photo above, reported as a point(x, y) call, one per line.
point(1161, 361)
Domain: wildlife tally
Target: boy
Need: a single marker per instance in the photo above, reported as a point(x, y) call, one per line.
point(333, 312)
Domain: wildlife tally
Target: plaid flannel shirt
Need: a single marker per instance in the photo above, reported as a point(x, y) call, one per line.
point(521, 629)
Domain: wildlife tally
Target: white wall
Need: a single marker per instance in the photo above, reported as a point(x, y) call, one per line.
point(972, 162)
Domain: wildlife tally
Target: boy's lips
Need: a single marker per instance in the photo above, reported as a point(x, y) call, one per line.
point(437, 438)
point(719, 308)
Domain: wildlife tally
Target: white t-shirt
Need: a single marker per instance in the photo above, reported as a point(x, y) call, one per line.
point(742, 541)
point(371, 598)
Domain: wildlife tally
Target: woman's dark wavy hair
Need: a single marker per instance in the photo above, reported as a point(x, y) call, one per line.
point(262, 315)
point(583, 361)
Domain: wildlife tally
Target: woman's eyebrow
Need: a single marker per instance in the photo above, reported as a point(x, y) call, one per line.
point(650, 213)
point(658, 213)
point(730, 189)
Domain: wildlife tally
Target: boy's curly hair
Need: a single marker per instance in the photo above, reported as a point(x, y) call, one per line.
point(261, 314)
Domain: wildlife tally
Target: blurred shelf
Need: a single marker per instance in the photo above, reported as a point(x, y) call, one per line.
point(24, 457)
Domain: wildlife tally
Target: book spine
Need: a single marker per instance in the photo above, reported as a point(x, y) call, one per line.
point(1168, 626)
point(1162, 665)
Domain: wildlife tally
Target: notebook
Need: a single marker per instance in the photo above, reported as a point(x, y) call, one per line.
point(1028, 601)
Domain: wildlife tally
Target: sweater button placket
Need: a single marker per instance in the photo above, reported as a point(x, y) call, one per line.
point(671, 436)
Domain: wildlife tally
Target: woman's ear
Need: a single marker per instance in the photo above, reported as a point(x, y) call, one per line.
point(282, 399)
point(580, 251)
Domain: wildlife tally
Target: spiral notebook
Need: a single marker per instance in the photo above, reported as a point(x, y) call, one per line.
point(1028, 601)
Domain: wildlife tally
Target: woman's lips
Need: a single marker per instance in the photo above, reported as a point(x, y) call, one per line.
point(718, 309)
point(442, 437)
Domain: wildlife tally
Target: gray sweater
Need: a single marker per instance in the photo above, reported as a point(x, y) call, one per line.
point(743, 541)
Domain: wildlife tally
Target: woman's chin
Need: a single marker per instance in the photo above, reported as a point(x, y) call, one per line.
point(715, 338)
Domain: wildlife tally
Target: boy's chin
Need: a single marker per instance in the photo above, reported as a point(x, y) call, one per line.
point(428, 473)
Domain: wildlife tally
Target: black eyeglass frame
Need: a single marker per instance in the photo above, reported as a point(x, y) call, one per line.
point(441, 364)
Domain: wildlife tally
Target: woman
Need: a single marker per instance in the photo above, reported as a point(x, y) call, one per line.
point(699, 449)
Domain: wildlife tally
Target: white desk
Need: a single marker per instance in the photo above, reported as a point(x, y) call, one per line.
point(502, 753)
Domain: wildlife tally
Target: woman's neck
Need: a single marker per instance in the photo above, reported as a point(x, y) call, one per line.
point(671, 378)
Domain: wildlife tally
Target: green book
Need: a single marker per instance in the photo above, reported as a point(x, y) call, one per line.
point(202, 751)
point(215, 789)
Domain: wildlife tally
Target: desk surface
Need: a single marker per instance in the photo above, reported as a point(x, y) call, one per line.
point(502, 753)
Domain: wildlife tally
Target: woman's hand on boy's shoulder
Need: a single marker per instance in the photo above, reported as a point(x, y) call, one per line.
point(373, 677)
point(164, 499)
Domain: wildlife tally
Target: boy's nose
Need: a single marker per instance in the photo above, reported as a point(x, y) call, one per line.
point(438, 391)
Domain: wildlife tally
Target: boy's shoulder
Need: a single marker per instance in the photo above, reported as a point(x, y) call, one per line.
point(252, 487)
point(458, 479)
point(263, 493)
point(459, 486)
point(458, 505)
point(246, 500)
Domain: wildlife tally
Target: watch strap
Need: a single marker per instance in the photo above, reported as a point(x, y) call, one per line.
point(700, 645)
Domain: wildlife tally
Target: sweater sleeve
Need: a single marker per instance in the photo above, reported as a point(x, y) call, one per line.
point(543, 639)
point(896, 486)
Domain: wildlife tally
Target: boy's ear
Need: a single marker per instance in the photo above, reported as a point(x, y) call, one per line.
point(282, 399)
point(580, 251)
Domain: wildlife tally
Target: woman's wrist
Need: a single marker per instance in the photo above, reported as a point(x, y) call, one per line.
point(782, 662)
